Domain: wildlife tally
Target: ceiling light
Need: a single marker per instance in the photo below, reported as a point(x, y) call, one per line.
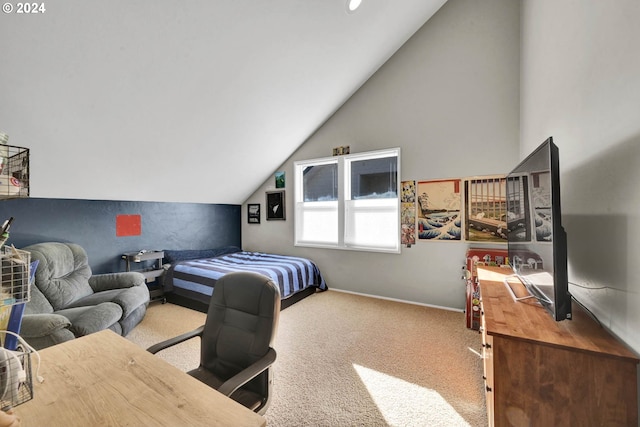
point(352, 5)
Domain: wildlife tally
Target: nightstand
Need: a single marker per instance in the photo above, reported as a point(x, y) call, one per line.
point(151, 268)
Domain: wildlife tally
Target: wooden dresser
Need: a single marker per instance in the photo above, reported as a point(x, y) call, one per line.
point(539, 372)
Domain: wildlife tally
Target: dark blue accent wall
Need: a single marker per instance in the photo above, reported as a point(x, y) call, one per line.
point(92, 225)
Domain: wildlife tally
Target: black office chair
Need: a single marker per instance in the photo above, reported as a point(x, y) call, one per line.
point(236, 340)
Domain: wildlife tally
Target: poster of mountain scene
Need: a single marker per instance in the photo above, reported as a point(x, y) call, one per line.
point(438, 210)
point(486, 209)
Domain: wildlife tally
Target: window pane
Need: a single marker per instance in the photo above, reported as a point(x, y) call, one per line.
point(317, 222)
point(349, 202)
point(320, 183)
point(372, 223)
point(374, 178)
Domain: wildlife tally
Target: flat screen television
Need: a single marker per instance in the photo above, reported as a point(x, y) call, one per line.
point(537, 242)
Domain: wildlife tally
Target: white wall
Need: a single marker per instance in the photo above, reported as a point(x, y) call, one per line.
point(168, 100)
point(580, 83)
point(450, 99)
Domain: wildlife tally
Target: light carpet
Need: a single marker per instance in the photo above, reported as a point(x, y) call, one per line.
point(350, 360)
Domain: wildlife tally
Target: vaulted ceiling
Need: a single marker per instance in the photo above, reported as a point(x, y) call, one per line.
point(210, 95)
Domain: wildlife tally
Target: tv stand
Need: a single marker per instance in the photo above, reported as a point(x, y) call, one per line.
point(531, 291)
point(541, 372)
point(510, 289)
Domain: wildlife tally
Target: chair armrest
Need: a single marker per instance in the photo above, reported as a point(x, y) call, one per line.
point(125, 279)
point(43, 330)
point(176, 340)
point(43, 324)
point(247, 374)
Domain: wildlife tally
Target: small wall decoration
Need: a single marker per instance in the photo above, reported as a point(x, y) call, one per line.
point(341, 151)
point(253, 213)
point(280, 180)
point(438, 207)
point(128, 225)
point(486, 209)
point(408, 216)
point(275, 205)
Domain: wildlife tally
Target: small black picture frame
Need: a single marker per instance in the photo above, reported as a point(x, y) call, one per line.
point(253, 213)
point(275, 205)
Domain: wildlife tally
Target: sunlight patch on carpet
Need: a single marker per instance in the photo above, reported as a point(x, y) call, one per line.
point(405, 404)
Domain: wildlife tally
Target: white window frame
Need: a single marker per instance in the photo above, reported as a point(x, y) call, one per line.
point(344, 207)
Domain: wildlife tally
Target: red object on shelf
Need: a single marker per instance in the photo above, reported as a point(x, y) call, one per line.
point(490, 257)
point(475, 257)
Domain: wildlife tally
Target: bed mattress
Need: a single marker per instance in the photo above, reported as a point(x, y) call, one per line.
point(198, 276)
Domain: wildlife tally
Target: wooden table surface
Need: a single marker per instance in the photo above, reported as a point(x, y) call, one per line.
point(528, 320)
point(105, 380)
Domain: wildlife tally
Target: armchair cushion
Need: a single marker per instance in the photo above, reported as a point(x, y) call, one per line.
point(108, 281)
point(93, 318)
point(128, 299)
point(63, 273)
point(243, 396)
point(38, 303)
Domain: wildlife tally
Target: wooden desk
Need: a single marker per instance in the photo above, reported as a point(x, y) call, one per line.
point(105, 380)
point(541, 372)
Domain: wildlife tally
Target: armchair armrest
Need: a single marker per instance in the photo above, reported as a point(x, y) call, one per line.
point(249, 373)
point(45, 329)
point(125, 279)
point(43, 324)
point(175, 340)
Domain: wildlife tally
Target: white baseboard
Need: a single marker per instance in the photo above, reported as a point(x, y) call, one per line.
point(397, 300)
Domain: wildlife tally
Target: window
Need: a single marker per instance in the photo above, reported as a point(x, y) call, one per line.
point(349, 202)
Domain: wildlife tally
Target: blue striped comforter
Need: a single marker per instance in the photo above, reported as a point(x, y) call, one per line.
point(292, 274)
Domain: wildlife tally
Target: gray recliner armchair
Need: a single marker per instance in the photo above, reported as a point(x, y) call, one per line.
point(236, 340)
point(67, 301)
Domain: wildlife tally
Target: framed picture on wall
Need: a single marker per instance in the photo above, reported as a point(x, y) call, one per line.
point(275, 205)
point(485, 206)
point(253, 213)
point(438, 210)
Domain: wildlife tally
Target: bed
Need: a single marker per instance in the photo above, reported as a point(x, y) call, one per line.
point(191, 275)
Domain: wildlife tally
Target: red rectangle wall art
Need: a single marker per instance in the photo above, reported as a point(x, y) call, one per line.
point(128, 225)
point(438, 209)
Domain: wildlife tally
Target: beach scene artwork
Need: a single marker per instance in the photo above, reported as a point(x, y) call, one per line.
point(438, 208)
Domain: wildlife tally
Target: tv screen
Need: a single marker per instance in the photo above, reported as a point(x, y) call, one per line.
point(537, 242)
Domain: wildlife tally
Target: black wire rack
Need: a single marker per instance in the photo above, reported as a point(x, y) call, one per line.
point(14, 172)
